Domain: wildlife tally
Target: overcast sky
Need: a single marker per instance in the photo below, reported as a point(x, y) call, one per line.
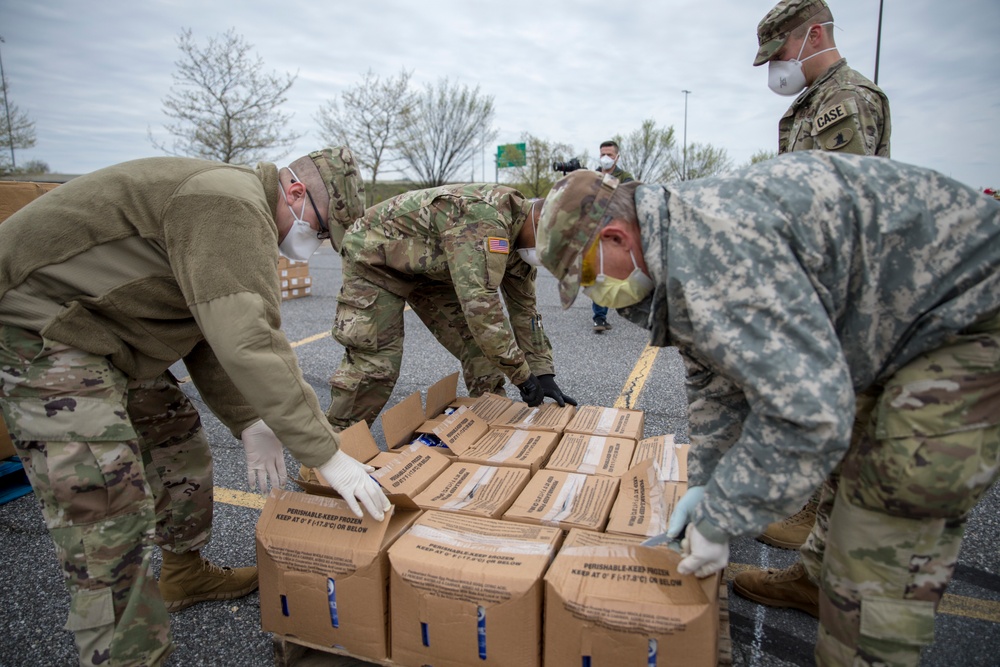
point(93, 75)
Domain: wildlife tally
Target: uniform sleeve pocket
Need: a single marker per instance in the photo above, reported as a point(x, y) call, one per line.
point(355, 324)
point(496, 266)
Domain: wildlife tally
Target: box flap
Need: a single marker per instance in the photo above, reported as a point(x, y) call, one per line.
point(440, 394)
point(460, 430)
point(592, 454)
point(357, 441)
point(645, 501)
point(557, 498)
point(401, 420)
point(489, 407)
point(672, 457)
point(409, 472)
point(596, 420)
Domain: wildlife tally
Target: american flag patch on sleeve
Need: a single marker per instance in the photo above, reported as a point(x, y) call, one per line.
point(497, 244)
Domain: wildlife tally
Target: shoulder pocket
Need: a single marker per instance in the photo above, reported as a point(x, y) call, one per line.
point(836, 128)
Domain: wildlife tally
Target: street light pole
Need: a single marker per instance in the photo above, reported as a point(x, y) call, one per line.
point(878, 41)
point(6, 106)
point(684, 168)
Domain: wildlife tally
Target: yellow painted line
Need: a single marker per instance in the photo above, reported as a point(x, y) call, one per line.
point(311, 339)
point(954, 605)
point(629, 397)
point(242, 498)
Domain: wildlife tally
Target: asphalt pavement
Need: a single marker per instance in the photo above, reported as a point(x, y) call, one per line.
point(593, 368)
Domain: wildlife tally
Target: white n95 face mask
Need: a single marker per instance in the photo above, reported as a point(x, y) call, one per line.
point(302, 240)
point(606, 162)
point(785, 77)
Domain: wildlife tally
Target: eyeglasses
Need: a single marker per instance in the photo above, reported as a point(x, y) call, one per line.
point(324, 229)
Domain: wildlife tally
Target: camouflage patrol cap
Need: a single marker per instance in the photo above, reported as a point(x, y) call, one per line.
point(573, 212)
point(344, 187)
point(774, 28)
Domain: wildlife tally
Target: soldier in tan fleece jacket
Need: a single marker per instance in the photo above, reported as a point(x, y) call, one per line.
point(107, 281)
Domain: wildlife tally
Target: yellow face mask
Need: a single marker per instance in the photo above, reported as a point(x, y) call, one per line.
point(614, 292)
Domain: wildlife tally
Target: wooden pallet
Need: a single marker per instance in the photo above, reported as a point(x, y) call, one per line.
point(13, 480)
point(295, 653)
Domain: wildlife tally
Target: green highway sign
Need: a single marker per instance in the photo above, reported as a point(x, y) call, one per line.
point(511, 155)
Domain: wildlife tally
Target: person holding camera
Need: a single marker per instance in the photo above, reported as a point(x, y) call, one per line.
point(447, 252)
point(608, 165)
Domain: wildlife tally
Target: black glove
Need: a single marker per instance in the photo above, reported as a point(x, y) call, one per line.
point(531, 391)
point(552, 390)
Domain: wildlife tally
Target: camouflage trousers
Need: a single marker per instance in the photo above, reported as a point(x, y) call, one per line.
point(890, 522)
point(117, 465)
point(369, 324)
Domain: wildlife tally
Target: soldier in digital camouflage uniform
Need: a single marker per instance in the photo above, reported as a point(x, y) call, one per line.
point(106, 282)
point(841, 110)
point(833, 312)
point(448, 252)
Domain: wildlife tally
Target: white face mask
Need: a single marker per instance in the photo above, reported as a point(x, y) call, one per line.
point(529, 255)
point(618, 293)
point(302, 240)
point(606, 162)
point(785, 77)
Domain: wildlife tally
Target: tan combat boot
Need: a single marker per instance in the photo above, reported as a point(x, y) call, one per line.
point(790, 587)
point(186, 579)
point(791, 533)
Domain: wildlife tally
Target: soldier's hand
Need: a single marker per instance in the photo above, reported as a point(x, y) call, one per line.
point(552, 390)
point(531, 391)
point(265, 457)
point(350, 478)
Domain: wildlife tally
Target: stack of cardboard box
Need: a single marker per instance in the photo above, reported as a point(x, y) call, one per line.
point(511, 501)
point(295, 280)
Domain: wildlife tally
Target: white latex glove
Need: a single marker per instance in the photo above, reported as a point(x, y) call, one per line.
point(265, 457)
point(350, 479)
point(683, 510)
point(703, 557)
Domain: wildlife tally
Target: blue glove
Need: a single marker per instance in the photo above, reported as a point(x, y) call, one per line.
point(682, 512)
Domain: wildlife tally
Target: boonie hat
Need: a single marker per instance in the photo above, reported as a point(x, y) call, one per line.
point(774, 28)
point(344, 186)
point(573, 212)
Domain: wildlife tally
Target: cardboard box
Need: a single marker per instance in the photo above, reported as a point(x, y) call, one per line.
point(403, 473)
point(324, 573)
point(473, 489)
point(565, 499)
point(297, 293)
point(401, 421)
point(546, 417)
point(612, 603)
point(460, 430)
point(512, 448)
point(617, 422)
point(6, 444)
point(15, 195)
point(662, 448)
point(646, 499)
point(289, 283)
point(468, 591)
point(285, 263)
point(592, 455)
point(295, 272)
point(487, 407)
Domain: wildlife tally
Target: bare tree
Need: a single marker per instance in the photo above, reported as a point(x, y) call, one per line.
point(443, 131)
point(537, 177)
point(372, 121)
point(646, 152)
point(224, 105)
point(17, 131)
point(761, 156)
point(702, 160)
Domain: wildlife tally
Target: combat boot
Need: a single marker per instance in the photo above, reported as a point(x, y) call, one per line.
point(791, 533)
point(790, 587)
point(186, 579)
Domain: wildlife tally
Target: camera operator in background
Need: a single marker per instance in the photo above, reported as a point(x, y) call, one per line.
point(608, 165)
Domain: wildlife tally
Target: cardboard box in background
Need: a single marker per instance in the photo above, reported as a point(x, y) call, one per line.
point(473, 489)
point(546, 417)
point(468, 591)
point(460, 430)
point(662, 448)
point(6, 445)
point(617, 422)
point(402, 473)
point(512, 448)
point(297, 293)
point(614, 603)
point(15, 195)
point(645, 501)
point(289, 283)
point(487, 407)
point(565, 499)
point(592, 454)
point(324, 573)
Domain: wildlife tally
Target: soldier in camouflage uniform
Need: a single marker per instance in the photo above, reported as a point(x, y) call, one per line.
point(106, 282)
point(841, 110)
point(833, 312)
point(448, 252)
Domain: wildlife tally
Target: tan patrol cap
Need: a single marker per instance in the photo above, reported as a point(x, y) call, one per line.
point(773, 29)
point(574, 211)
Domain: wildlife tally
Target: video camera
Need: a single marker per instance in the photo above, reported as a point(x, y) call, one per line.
point(568, 166)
